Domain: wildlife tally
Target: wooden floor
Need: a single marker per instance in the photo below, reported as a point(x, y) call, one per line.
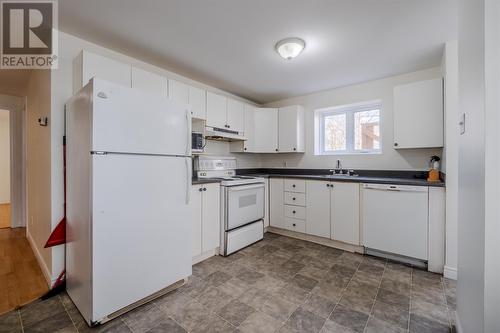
point(21, 279)
point(4, 215)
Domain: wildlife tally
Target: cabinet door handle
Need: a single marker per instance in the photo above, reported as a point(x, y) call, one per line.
point(200, 189)
point(293, 185)
point(294, 225)
point(293, 199)
point(244, 149)
point(204, 189)
point(294, 149)
point(276, 149)
point(395, 144)
point(293, 212)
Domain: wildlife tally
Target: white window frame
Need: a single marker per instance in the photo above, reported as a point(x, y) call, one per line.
point(349, 110)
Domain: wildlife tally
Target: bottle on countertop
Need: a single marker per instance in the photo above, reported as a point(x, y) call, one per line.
point(434, 169)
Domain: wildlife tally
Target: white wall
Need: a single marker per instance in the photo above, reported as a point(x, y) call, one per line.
point(39, 168)
point(4, 157)
point(411, 159)
point(492, 166)
point(450, 154)
point(470, 287)
point(478, 288)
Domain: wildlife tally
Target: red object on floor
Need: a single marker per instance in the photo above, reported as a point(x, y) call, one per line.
point(58, 235)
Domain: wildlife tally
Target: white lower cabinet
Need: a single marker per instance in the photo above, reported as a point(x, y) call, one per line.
point(295, 225)
point(205, 208)
point(266, 204)
point(196, 219)
point(318, 208)
point(315, 207)
point(276, 203)
point(344, 212)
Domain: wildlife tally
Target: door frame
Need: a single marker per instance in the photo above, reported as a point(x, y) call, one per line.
point(17, 118)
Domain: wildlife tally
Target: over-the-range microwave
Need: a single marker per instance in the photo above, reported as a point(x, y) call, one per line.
point(197, 144)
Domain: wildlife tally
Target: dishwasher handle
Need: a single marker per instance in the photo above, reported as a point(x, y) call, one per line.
point(395, 188)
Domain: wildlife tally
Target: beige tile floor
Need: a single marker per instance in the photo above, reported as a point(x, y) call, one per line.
point(277, 285)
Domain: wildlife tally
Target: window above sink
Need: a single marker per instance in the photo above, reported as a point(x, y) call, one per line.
point(348, 129)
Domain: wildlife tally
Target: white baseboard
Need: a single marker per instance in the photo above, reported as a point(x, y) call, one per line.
point(450, 272)
point(316, 239)
point(41, 262)
point(205, 255)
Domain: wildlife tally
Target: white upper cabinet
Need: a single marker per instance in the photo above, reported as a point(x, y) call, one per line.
point(270, 130)
point(178, 91)
point(291, 129)
point(150, 82)
point(418, 114)
point(216, 110)
point(249, 143)
point(87, 65)
point(266, 137)
point(345, 212)
point(225, 113)
point(194, 97)
point(198, 102)
point(235, 115)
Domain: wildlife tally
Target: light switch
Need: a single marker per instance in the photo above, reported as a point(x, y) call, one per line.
point(461, 123)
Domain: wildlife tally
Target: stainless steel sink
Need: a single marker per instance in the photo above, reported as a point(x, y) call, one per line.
point(344, 175)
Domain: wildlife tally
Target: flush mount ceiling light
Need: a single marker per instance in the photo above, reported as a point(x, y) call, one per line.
point(289, 48)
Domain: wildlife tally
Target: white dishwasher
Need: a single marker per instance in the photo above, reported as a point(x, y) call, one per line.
point(395, 221)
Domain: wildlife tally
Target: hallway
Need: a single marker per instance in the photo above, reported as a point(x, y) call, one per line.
point(21, 279)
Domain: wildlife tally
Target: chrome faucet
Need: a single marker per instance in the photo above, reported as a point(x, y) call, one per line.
point(338, 168)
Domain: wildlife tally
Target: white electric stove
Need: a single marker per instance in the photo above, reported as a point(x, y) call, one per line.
point(242, 202)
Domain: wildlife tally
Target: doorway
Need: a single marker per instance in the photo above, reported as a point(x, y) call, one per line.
point(21, 278)
point(5, 162)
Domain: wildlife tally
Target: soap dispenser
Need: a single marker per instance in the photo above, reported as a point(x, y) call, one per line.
point(434, 169)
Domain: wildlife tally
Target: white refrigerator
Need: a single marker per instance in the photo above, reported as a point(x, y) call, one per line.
point(128, 184)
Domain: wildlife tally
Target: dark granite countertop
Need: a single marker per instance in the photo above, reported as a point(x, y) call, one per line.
point(416, 178)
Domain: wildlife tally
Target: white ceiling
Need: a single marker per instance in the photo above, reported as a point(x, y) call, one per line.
point(229, 44)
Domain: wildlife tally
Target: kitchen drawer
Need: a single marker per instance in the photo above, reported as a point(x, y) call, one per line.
point(296, 199)
point(295, 185)
point(295, 225)
point(295, 212)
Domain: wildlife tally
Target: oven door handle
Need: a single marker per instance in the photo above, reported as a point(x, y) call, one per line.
point(238, 188)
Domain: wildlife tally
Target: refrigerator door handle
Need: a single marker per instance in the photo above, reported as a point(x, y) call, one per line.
point(188, 180)
point(188, 134)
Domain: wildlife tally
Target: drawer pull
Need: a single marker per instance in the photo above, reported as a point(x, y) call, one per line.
point(294, 225)
point(293, 212)
point(293, 185)
point(293, 198)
